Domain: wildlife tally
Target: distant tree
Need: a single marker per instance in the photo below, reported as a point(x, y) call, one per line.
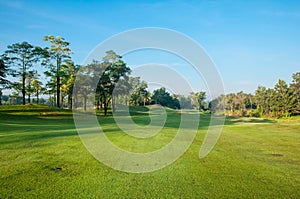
point(261, 99)
point(295, 86)
point(249, 101)
point(3, 81)
point(139, 94)
point(68, 81)
point(217, 104)
point(134, 83)
point(4, 71)
point(198, 99)
point(22, 56)
point(51, 89)
point(231, 102)
point(122, 90)
point(162, 97)
point(185, 102)
point(84, 80)
point(37, 88)
point(285, 101)
point(111, 71)
point(58, 53)
point(241, 102)
point(270, 106)
point(1, 97)
point(32, 75)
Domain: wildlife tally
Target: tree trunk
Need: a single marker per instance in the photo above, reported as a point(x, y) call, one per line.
point(84, 103)
point(113, 104)
point(0, 97)
point(75, 99)
point(98, 104)
point(58, 92)
point(62, 101)
point(23, 88)
point(101, 102)
point(70, 101)
point(105, 108)
point(29, 99)
point(58, 82)
point(37, 97)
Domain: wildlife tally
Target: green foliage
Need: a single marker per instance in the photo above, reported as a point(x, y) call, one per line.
point(295, 86)
point(139, 94)
point(280, 101)
point(198, 99)
point(162, 97)
point(185, 102)
point(3, 81)
point(104, 76)
point(3, 74)
point(22, 56)
point(57, 58)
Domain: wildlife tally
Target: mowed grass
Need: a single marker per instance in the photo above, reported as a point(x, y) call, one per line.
point(42, 156)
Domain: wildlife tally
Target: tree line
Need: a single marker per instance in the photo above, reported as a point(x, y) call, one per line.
point(111, 76)
point(112, 84)
point(283, 100)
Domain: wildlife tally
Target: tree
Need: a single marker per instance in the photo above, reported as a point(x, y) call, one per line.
point(3, 74)
point(230, 102)
point(68, 83)
point(162, 97)
point(241, 102)
point(59, 52)
point(111, 71)
point(122, 90)
point(84, 80)
point(285, 100)
point(217, 104)
point(198, 99)
point(37, 88)
point(32, 75)
point(249, 101)
point(3, 81)
point(185, 102)
point(139, 94)
point(22, 56)
point(260, 98)
point(295, 86)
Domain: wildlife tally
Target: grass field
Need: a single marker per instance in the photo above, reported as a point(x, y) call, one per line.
point(42, 156)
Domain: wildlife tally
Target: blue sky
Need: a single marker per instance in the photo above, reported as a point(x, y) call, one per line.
point(252, 42)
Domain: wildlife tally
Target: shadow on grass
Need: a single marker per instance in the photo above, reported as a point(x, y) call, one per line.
point(28, 124)
point(231, 120)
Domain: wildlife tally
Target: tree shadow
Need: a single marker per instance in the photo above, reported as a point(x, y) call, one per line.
point(232, 120)
point(31, 126)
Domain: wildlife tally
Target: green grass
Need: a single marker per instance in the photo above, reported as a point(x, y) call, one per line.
point(42, 156)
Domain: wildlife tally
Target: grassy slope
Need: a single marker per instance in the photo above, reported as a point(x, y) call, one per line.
point(42, 155)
